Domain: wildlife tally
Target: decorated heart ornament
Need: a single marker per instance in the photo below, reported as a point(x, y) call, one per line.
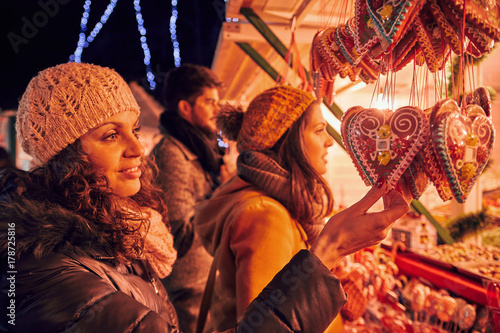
point(429, 161)
point(347, 117)
point(416, 179)
point(481, 96)
point(463, 143)
point(448, 30)
point(392, 18)
point(484, 14)
point(405, 51)
point(429, 36)
point(479, 42)
point(365, 37)
point(383, 143)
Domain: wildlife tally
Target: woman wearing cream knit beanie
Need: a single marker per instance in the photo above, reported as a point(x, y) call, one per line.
point(63, 102)
point(86, 211)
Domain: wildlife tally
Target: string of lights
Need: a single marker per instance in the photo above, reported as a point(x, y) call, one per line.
point(147, 54)
point(84, 40)
point(173, 34)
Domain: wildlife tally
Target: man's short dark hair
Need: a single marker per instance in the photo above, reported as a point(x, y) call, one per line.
point(186, 82)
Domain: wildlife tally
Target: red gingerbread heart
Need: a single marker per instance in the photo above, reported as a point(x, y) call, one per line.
point(449, 32)
point(480, 43)
point(392, 19)
point(430, 38)
point(349, 115)
point(484, 14)
point(429, 160)
point(365, 37)
point(416, 179)
point(463, 141)
point(383, 143)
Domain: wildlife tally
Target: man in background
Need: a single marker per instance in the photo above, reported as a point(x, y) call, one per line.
point(191, 168)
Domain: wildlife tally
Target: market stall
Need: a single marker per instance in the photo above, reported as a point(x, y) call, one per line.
point(369, 61)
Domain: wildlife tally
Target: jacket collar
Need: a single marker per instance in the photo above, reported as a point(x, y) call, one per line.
point(44, 228)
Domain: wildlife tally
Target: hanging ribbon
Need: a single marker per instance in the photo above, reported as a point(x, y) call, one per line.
point(292, 60)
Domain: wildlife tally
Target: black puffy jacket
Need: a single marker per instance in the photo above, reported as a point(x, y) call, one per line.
point(52, 280)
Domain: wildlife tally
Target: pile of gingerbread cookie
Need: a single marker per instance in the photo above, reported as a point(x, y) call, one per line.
point(386, 35)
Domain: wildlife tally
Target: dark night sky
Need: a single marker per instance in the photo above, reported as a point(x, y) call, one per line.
point(55, 25)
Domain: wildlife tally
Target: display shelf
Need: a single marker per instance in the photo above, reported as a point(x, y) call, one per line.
point(411, 265)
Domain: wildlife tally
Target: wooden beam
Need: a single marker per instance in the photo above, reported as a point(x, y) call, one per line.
point(264, 30)
point(276, 43)
point(259, 60)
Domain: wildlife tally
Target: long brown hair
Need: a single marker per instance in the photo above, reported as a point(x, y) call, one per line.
point(311, 197)
point(73, 183)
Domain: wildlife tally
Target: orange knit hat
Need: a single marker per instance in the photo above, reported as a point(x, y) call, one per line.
point(267, 118)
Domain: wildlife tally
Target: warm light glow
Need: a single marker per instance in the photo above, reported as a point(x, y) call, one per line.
point(384, 103)
point(330, 118)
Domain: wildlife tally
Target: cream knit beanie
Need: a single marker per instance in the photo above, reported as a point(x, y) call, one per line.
point(64, 102)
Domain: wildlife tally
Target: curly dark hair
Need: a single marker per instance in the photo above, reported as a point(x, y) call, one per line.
point(309, 190)
point(73, 183)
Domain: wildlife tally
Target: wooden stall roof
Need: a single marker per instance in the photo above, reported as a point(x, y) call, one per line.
point(244, 78)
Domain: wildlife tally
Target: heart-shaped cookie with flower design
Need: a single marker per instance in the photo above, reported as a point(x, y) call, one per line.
point(383, 143)
point(463, 140)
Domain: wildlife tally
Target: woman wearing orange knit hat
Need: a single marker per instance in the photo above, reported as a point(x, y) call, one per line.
point(274, 207)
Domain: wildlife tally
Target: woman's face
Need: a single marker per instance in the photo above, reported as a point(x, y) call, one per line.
point(316, 139)
point(114, 149)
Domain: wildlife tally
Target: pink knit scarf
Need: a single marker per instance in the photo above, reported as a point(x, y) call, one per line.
point(158, 245)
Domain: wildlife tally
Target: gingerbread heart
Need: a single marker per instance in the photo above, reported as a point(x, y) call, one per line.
point(463, 143)
point(383, 143)
point(481, 97)
point(430, 38)
point(349, 115)
point(479, 42)
point(448, 31)
point(416, 179)
point(429, 161)
point(391, 19)
point(365, 37)
point(484, 14)
point(405, 51)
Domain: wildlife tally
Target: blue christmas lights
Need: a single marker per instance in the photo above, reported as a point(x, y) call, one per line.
point(173, 34)
point(84, 41)
point(147, 54)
